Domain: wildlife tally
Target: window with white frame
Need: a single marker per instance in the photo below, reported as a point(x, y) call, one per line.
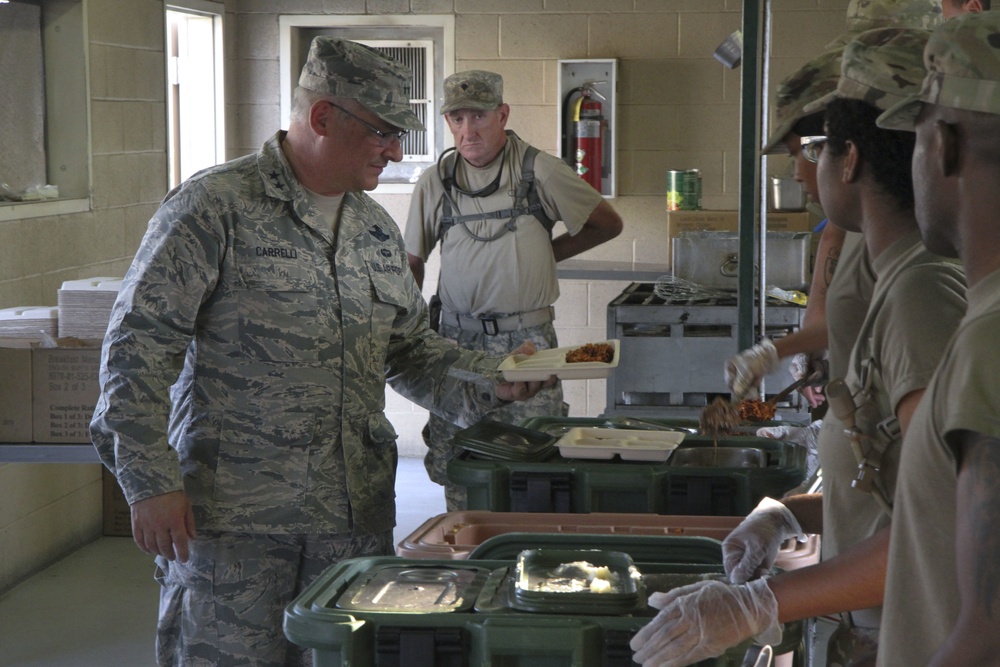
point(425, 44)
point(44, 109)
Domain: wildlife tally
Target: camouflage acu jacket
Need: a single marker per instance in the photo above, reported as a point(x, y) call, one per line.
point(247, 355)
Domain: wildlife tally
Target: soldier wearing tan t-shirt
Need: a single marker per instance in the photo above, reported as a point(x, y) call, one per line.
point(498, 258)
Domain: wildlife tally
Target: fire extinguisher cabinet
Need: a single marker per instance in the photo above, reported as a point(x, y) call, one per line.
point(588, 91)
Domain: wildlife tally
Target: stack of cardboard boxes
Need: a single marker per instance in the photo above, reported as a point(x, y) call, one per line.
point(47, 397)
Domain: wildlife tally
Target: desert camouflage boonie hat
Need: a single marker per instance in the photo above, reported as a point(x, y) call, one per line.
point(881, 67)
point(865, 15)
point(812, 81)
point(347, 69)
point(962, 58)
point(472, 89)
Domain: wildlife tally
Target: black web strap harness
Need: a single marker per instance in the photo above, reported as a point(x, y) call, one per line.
point(526, 199)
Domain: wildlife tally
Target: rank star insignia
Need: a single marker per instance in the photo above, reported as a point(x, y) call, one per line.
point(276, 179)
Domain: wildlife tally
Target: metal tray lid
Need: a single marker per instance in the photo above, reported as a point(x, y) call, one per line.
point(504, 442)
point(412, 588)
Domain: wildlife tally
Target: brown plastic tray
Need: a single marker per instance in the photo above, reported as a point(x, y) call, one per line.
point(454, 535)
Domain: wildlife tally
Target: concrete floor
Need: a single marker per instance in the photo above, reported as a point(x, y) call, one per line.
point(97, 607)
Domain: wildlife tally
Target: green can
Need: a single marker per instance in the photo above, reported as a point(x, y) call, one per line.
point(683, 190)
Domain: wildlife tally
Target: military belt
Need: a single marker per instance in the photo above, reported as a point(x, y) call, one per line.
point(492, 325)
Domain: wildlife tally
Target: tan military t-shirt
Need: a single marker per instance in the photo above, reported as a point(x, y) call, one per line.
point(516, 272)
point(918, 301)
point(922, 596)
point(847, 301)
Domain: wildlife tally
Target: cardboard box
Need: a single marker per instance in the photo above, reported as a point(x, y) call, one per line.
point(64, 391)
point(117, 516)
point(15, 391)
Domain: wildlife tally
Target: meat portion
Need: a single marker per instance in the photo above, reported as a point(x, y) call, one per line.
point(603, 352)
point(756, 411)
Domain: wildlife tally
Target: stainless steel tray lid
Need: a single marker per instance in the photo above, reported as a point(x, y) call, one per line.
point(415, 589)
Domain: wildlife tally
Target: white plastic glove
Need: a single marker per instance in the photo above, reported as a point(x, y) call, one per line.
point(812, 366)
point(749, 551)
point(803, 436)
point(745, 370)
point(703, 620)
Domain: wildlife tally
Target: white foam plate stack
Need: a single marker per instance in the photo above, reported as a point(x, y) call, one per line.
point(34, 322)
point(85, 306)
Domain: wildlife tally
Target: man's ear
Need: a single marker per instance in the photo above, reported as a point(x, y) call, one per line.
point(852, 163)
point(320, 115)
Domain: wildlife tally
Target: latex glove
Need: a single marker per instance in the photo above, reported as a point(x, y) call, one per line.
point(745, 370)
point(749, 551)
point(803, 436)
point(812, 366)
point(703, 620)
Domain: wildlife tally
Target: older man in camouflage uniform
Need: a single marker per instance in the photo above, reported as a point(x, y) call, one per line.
point(942, 592)
point(498, 258)
point(705, 619)
point(244, 367)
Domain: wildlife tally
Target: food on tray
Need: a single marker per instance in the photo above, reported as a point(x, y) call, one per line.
point(753, 410)
point(718, 418)
point(603, 352)
point(580, 576)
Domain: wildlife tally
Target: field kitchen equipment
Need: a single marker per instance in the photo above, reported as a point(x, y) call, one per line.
point(690, 475)
point(539, 609)
point(711, 259)
point(673, 346)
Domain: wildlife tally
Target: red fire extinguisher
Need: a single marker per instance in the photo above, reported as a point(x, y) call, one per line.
point(589, 128)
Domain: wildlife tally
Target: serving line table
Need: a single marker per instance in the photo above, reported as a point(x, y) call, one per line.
point(48, 453)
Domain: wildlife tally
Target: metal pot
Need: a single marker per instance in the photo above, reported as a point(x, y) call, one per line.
point(787, 194)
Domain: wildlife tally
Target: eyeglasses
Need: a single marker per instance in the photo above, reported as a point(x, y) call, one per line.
point(386, 138)
point(812, 146)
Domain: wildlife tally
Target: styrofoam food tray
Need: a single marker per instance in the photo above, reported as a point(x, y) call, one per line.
point(545, 363)
point(604, 443)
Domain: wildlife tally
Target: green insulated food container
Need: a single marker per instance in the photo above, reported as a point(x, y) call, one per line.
point(472, 620)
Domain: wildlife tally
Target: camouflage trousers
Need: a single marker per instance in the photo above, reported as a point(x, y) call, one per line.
point(852, 647)
point(438, 432)
point(225, 605)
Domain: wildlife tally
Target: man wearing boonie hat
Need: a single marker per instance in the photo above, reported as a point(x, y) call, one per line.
point(244, 368)
point(842, 282)
point(491, 204)
point(941, 593)
point(865, 15)
point(703, 620)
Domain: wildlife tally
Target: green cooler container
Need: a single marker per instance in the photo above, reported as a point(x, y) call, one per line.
point(702, 476)
point(395, 612)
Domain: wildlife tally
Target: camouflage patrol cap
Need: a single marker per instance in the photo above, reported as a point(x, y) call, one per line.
point(865, 15)
point(472, 89)
point(962, 58)
point(815, 79)
point(347, 69)
point(880, 67)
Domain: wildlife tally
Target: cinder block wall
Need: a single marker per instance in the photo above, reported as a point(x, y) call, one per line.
point(677, 107)
point(48, 510)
